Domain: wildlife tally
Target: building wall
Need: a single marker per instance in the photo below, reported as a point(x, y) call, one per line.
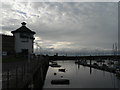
point(0, 47)
point(23, 43)
point(8, 44)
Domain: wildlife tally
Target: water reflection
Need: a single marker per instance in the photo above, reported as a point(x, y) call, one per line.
point(80, 77)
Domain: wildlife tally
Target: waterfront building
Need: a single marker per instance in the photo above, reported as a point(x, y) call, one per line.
point(22, 41)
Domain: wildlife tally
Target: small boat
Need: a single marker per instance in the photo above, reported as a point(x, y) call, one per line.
point(99, 60)
point(118, 74)
point(51, 61)
point(83, 62)
point(110, 63)
point(104, 65)
point(60, 82)
point(52, 65)
point(77, 62)
point(117, 67)
point(95, 64)
point(61, 70)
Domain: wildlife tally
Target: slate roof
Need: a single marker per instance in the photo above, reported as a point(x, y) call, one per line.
point(23, 29)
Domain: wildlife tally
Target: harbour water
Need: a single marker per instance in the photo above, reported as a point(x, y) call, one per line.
point(80, 77)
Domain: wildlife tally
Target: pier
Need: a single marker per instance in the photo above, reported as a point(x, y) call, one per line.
point(80, 60)
point(103, 68)
point(117, 57)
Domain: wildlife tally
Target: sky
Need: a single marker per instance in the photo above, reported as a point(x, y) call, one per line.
point(65, 26)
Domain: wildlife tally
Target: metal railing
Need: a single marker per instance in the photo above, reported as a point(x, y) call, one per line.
point(17, 76)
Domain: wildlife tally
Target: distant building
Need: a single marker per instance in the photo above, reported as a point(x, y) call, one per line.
point(21, 41)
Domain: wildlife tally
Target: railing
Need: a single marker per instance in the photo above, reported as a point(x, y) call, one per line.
point(20, 74)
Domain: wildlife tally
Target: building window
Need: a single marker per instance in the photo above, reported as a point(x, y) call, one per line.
point(24, 35)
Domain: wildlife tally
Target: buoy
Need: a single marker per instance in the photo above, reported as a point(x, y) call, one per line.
point(61, 76)
point(55, 73)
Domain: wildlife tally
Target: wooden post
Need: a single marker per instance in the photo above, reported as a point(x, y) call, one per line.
point(41, 74)
point(22, 72)
point(24, 69)
point(29, 64)
point(8, 78)
point(28, 67)
point(16, 76)
point(90, 66)
point(90, 62)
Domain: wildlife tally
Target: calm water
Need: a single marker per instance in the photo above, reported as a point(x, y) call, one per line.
point(81, 77)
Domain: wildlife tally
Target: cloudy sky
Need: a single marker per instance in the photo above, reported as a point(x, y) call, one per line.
point(65, 25)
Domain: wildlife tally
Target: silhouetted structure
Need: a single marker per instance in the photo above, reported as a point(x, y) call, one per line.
point(20, 42)
point(8, 45)
point(23, 39)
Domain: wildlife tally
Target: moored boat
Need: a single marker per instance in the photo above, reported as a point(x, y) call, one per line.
point(52, 65)
point(118, 73)
point(60, 81)
point(61, 70)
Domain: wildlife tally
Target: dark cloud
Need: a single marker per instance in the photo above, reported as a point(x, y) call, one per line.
point(74, 24)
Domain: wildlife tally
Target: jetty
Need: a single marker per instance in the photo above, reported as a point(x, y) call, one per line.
point(108, 57)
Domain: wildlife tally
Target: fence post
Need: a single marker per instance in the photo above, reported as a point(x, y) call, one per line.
point(30, 67)
point(27, 67)
point(22, 73)
point(41, 74)
point(24, 69)
point(8, 78)
point(16, 76)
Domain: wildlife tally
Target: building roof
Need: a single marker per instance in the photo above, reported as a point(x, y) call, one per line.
point(23, 29)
